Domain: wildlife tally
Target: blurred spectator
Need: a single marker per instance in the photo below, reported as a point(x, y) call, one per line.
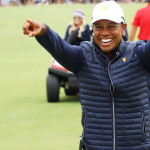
point(142, 20)
point(14, 2)
point(78, 30)
point(37, 2)
point(45, 2)
point(5, 2)
point(23, 2)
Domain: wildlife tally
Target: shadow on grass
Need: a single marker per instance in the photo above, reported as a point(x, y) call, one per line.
point(70, 99)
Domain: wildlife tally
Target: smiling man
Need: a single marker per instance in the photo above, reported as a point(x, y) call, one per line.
point(108, 28)
point(107, 35)
point(114, 80)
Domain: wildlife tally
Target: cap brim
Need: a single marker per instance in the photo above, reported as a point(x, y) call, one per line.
point(114, 20)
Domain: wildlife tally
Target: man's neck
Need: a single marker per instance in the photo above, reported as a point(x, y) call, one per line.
point(111, 55)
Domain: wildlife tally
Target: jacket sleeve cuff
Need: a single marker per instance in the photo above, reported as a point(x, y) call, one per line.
point(44, 35)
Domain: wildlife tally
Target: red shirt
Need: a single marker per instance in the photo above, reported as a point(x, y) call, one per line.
point(142, 19)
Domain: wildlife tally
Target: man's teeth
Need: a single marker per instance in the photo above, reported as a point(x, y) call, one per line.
point(106, 40)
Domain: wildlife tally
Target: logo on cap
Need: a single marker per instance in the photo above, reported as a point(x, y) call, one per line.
point(105, 7)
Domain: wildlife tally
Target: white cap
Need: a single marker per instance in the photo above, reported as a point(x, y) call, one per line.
point(108, 10)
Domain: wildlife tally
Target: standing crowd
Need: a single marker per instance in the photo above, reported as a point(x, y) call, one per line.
point(49, 2)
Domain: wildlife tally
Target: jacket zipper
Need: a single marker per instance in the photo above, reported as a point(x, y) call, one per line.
point(112, 97)
point(113, 103)
point(143, 126)
point(113, 108)
point(84, 126)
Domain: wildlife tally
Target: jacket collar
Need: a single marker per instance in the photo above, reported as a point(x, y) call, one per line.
point(122, 47)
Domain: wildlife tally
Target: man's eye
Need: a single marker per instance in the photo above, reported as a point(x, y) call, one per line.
point(98, 27)
point(112, 27)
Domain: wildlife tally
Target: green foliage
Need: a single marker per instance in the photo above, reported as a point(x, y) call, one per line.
point(27, 121)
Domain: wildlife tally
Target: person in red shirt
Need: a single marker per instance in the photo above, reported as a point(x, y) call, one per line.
point(142, 20)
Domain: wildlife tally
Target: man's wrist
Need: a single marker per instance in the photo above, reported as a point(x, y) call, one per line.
point(43, 30)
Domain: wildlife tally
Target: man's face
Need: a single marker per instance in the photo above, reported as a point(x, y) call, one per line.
point(108, 34)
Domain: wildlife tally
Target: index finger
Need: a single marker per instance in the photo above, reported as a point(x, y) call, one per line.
point(25, 27)
point(30, 21)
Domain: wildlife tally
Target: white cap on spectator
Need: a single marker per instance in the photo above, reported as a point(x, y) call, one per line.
point(108, 10)
point(78, 13)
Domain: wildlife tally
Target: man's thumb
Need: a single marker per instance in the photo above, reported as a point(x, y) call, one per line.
point(32, 34)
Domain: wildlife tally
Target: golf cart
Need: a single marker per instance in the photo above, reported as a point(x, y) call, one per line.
point(58, 77)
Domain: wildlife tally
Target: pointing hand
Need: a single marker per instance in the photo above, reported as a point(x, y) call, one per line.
point(33, 28)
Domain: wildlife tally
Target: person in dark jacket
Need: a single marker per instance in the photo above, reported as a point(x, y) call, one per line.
point(78, 31)
point(114, 80)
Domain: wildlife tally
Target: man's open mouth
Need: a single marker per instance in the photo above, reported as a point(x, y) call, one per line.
point(106, 40)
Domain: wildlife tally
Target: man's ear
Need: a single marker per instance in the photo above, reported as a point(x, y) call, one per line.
point(123, 27)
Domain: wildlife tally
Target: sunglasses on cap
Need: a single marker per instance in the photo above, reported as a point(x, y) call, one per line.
point(77, 17)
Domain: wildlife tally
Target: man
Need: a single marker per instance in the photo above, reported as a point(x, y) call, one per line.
point(141, 20)
point(113, 79)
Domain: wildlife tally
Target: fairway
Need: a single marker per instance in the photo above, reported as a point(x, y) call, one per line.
point(27, 121)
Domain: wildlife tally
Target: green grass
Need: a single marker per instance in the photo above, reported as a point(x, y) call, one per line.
point(27, 121)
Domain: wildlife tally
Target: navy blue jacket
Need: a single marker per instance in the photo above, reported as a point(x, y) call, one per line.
point(114, 94)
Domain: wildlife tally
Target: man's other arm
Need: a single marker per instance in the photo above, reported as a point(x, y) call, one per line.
point(67, 55)
point(143, 52)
